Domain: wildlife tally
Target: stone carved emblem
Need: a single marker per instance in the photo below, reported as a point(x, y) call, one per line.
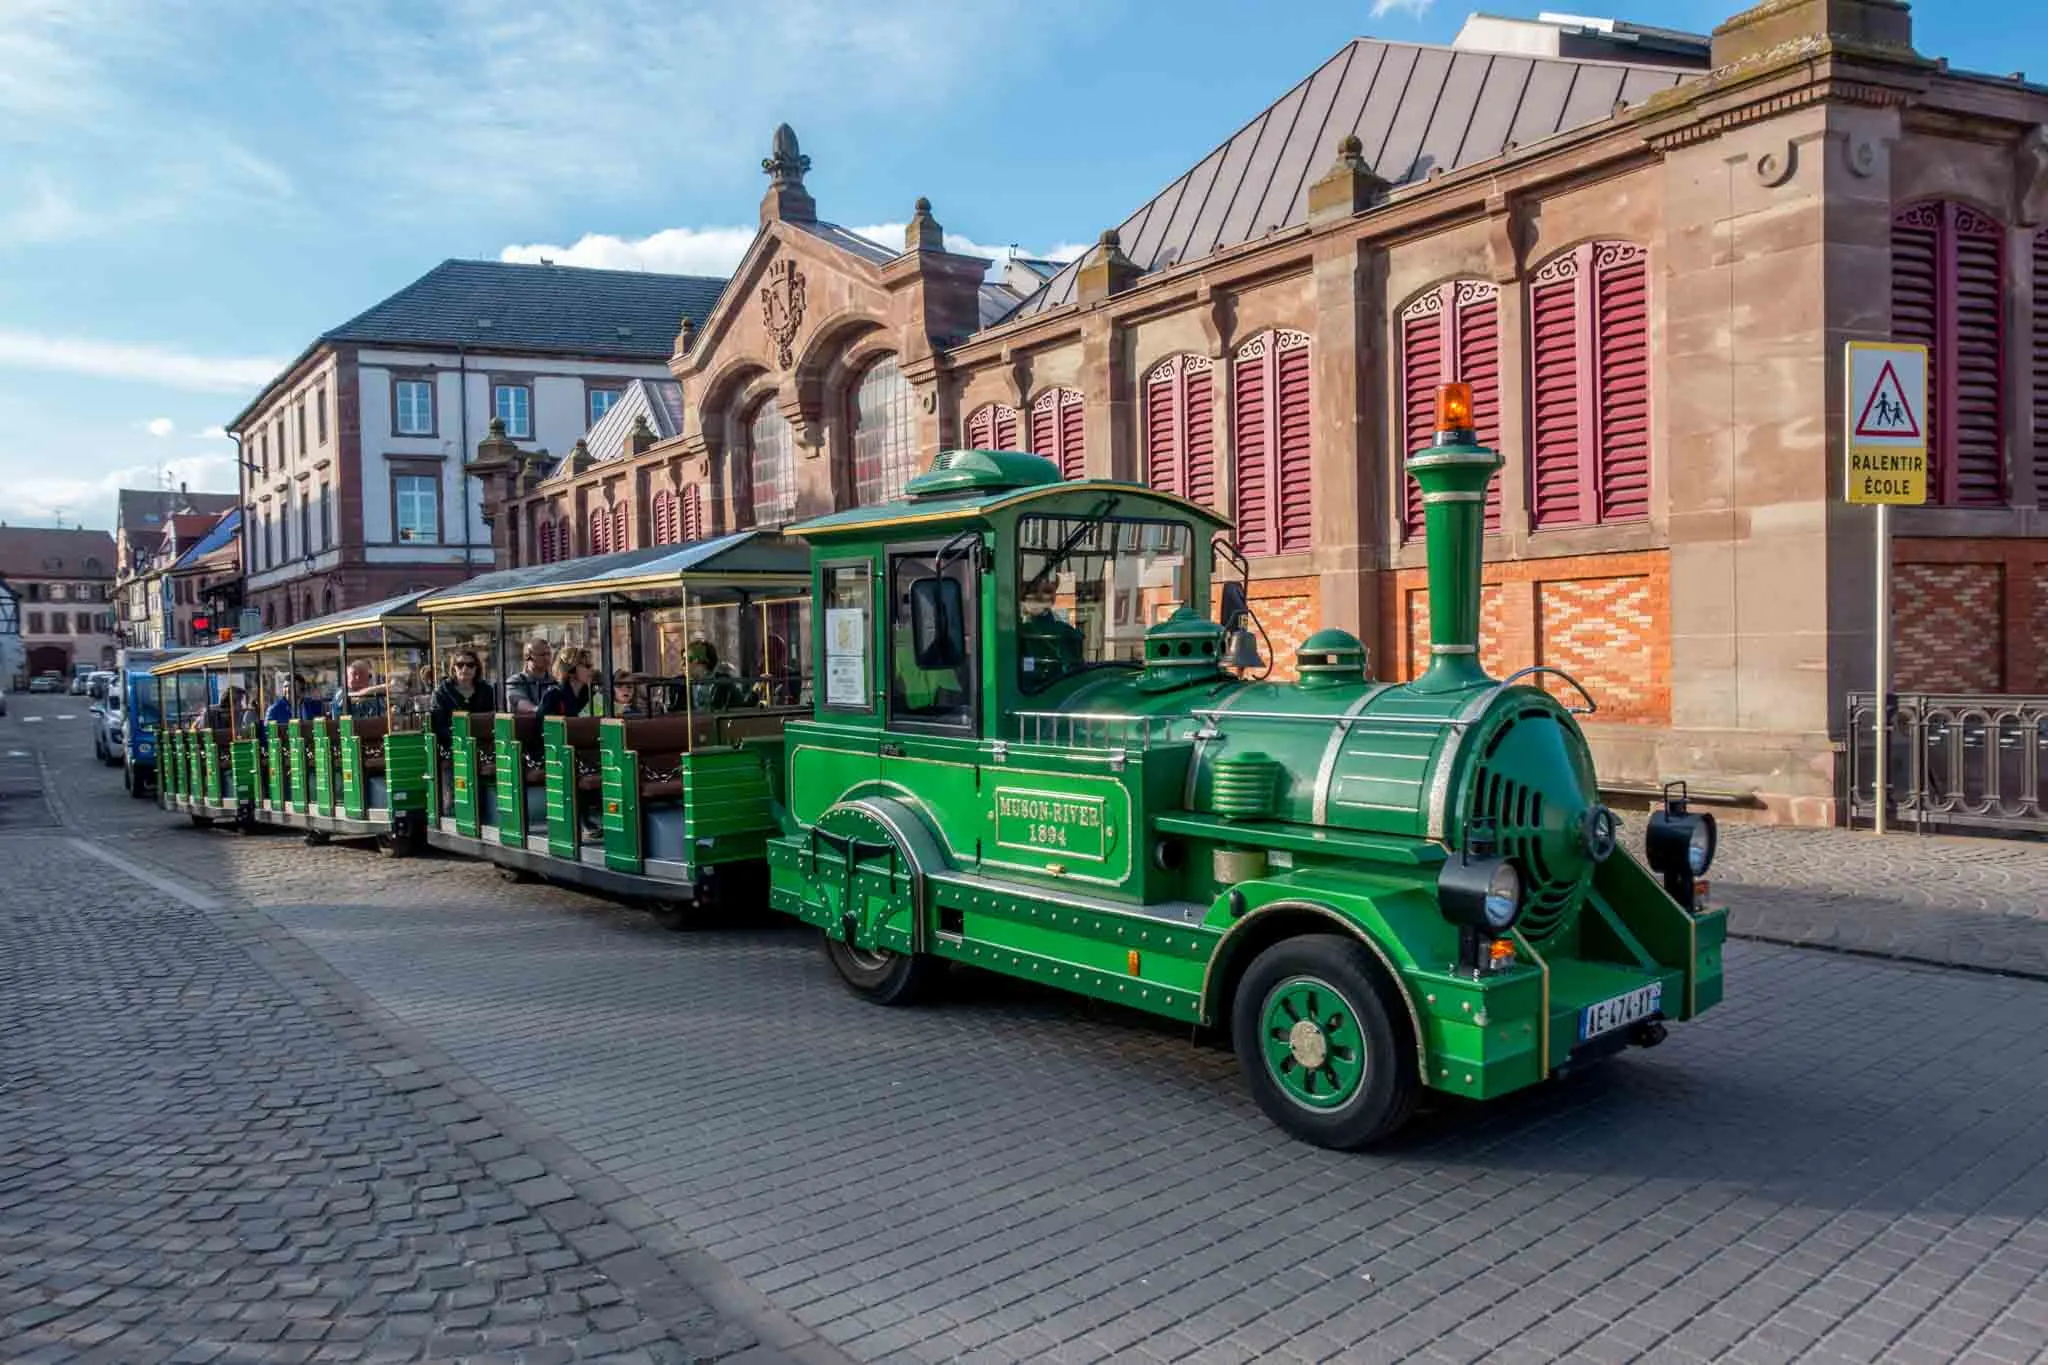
point(782, 308)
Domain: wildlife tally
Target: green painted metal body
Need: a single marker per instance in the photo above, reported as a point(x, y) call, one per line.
point(320, 740)
point(1125, 857)
point(297, 752)
point(248, 770)
point(510, 781)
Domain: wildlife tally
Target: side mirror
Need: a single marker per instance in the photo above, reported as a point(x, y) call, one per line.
point(938, 627)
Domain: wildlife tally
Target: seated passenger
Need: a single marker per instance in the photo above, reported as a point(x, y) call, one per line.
point(523, 689)
point(710, 688)
point(308, 708)
point(569, 693)
point(1049, 647)
point(465, 690)
point(624, 704)
point(361, 696)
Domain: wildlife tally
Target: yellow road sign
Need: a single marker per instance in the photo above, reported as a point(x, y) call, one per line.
point(1885, 420)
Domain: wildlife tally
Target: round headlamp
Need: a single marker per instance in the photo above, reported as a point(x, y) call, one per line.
point(1699, 849)
point(1480, 893)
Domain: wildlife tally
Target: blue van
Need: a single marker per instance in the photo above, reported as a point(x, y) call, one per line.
point(139, 717)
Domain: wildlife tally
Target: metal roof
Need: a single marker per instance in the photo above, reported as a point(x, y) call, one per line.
point(864, 247)
point(974, 505)
point(660, 401)
point(345, 621)
point(736, 558)
point(1416, 108)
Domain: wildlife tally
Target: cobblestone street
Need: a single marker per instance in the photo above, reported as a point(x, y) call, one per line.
point(272, 1102)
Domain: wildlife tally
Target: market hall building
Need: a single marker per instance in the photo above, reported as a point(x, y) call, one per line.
point(1645, 252)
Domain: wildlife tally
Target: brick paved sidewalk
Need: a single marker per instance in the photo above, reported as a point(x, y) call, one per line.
point(1980, 903)
point(204, 1155)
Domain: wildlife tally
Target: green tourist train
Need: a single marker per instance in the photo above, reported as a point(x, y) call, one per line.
point(1026, 725)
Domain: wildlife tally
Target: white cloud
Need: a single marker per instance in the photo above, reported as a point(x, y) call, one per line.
point(717, 250)
point(214, 434)
point(146, 364)
point(1415, 9)
point(161, 426)
point(89, 501)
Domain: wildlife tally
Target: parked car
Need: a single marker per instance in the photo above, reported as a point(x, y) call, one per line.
point(109, 727)
point(78, 683)
point(46, 682)
point(96, 683)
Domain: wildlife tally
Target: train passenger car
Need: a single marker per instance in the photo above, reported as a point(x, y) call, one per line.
point(195, 743)
point(654, 772)
point(334, 712)
point(1033, 751)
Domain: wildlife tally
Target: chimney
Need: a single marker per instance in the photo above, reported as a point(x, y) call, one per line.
point(1802, 28)
point(1454, 473)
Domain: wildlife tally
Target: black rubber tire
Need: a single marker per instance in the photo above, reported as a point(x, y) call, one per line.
point(515, 874)
point(137, 788)
point(317, 838)
point(890, 979)
point(202, 822)
point(1386, 1099)
point(394, 846)
point(674, 916)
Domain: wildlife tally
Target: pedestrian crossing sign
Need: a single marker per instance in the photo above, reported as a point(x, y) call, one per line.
point(1886, 418)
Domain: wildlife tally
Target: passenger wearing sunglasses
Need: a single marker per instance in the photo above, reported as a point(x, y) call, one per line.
point(463, 690)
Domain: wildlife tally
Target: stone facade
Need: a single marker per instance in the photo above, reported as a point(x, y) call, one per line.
point(1722, 622)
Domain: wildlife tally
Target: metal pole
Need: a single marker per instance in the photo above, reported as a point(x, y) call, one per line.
point(1884, 655)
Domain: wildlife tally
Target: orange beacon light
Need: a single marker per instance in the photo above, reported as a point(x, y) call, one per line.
point(1454, 408)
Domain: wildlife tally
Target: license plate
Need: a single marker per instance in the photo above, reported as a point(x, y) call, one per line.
point(1608, 1015)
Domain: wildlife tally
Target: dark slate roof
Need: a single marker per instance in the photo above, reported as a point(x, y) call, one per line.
point(865, 248)
point(147, 509)
point(627, 314)
point(1417, 108)
point(55, 552)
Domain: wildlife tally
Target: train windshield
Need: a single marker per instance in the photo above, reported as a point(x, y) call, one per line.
point(1088, 588)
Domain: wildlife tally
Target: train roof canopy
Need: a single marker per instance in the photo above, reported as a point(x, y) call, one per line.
point(350, 619)
point(968, 485)
point(741, 559)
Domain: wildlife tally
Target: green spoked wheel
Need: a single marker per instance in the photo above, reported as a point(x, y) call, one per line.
point(1312, 1043)
point(1325, 1042)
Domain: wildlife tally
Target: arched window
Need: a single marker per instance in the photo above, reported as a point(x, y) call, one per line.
point(1451, 335)
point(1270, 416)
point(1180, 428)
point(693, 513)
point(1589, 387)
point(770, 494)
point(1948, 294)
point(664, 517)
point(309, 608)
point(992, 427)
point(600, 530)
point(327, 601)
point(884, 434)
point(1058, 432)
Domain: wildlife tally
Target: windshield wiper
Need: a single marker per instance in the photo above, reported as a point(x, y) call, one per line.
point(1060, 556)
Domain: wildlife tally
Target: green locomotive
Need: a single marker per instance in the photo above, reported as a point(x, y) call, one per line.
point(1031, 752)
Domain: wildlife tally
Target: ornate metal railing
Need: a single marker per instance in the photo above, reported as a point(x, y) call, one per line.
point(1952, 761)
point(1094, 730)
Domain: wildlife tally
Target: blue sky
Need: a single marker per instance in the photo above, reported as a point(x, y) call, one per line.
point(191, 190)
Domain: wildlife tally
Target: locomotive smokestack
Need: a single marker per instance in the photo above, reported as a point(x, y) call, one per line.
point(1454, 474)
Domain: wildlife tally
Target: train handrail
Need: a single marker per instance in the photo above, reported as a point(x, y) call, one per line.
point(1588, 709)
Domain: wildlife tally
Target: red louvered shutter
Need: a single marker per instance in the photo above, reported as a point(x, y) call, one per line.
point(1006, 426)
point(1198, 428)
point(2040, 353)
point(1554, 474)
point(1073, 435)
point(545, 541)
point(1254, 447)
point(1422, 365)
point(693, 514)
point(1622, 342)
point(1477, 328)
point(1162, 428)
point(600, 532)
point(981, 428)
point(993, 426)
point(1977, 390)
point(1293, 462)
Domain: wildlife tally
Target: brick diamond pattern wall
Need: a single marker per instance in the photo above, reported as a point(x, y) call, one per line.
point(1599, 630)
point(1948, 628)
point(2040, 621)
point(1495, 644)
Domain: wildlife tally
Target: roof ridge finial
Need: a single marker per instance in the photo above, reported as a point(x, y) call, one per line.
point(787, 199)
point(924, 232)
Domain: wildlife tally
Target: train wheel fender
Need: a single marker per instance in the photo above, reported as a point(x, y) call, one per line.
point(867, 826)
point(1278, 920)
